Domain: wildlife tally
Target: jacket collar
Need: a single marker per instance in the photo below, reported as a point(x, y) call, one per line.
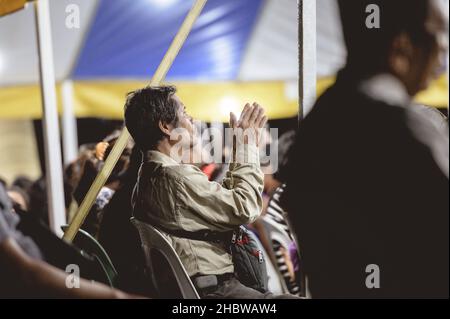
point(159, 158)
point(386, 88)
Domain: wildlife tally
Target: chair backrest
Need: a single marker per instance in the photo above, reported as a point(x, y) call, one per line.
point(153, 240)
point(86, 243)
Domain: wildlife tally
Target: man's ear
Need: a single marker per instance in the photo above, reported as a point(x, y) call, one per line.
point(401, 55)
point(165, 128)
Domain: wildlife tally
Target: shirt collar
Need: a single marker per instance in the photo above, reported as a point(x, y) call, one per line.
point(386, 88)
point(158, 157)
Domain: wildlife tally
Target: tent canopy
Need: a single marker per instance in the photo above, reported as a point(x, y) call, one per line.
point(239, 51)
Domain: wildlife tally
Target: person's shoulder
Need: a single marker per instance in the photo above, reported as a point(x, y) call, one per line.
point(422, 115)
point(339, 103)
point(429, 129)
point(180, 172)
point(4, 200)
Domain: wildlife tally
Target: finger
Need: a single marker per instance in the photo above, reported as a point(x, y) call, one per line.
point(244, 110)
point(233, 120)
point(254, 116)
point(100, 150)
point(248, 110)
point(263, 121)
point(245, 113)
point(259, 115)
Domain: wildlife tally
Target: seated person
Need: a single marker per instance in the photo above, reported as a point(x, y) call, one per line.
point(179, 196)
point(23, 273)
point(125, 250)
point(115, 182)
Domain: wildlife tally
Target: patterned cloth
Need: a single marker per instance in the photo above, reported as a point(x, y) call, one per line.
point(276, 213)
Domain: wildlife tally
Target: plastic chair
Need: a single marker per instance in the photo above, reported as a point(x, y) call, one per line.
point(153, 240)
point(88, 244)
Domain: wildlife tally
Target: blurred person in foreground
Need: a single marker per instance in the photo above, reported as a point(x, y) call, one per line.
point(25, 274)
point(368, 186)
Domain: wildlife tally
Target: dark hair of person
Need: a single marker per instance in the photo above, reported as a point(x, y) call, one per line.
point(38, 200)
point(368, 48)
point(23, 182)
point(119, 171)
point(144, 109)
point(285, 143)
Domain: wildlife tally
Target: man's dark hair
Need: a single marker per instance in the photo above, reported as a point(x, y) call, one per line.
point(285, 142)
point(367, 48)
point(23, 182)
point(144, 109)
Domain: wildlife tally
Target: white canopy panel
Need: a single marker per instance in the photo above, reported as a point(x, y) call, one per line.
point(18, 47)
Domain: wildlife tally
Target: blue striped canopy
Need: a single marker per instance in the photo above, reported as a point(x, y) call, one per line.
point(129, 38)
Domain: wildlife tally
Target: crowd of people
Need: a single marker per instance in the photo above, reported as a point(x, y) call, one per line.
point(362, 182)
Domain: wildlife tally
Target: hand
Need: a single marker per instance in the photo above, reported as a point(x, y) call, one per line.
point(253, 118)
point(100, 150)
point(233, 120)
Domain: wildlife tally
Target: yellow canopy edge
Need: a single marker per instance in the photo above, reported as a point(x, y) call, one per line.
point(205, 101)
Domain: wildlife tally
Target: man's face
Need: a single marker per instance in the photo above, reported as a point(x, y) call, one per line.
point(430, 55)
point(185, 121)
point(18, 200)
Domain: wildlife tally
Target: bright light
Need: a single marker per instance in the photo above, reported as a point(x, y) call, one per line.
point(230, 104)
point(162, 3)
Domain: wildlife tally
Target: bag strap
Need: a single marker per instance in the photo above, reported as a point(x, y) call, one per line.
point(201, 235)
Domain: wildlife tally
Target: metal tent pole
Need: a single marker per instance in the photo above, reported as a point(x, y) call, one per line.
point(69, 123)
point(307, 80)
point(307, 55)
point(53, 162)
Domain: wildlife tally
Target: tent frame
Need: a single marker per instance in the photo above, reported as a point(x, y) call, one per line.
point(307, 56)
point(53, 159)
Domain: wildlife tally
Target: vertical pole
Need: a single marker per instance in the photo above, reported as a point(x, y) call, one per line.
point(447, 65)
point(69, 123)
point(307, 55)
point(307, 79)
point(53, 162)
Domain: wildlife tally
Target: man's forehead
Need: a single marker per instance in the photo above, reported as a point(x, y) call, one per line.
point(176, 98)
point(178, 101)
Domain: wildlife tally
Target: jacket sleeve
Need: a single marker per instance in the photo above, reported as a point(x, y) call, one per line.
point(237, 201)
